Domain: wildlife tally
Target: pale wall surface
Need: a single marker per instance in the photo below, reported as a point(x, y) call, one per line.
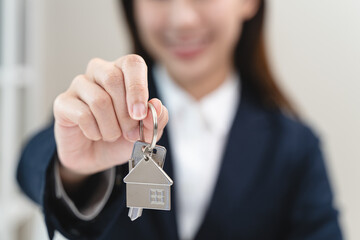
point(315, 52)
point(315, 47)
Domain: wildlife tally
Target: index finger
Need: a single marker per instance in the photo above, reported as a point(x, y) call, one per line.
point(134, 70)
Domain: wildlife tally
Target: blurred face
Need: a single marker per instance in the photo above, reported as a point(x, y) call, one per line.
point(192, 38)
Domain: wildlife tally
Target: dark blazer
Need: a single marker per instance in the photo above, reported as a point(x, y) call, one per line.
point(272, 185)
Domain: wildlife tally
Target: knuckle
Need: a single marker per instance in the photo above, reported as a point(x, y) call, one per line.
point(77, 80)
point(112, 79)
point(93, 62)
point(101, 102)
point(84, 118)
point(59, 102)
point(136, 87)
point(134, 58)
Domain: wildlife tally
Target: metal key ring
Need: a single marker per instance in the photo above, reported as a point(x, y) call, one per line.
point(155, 130)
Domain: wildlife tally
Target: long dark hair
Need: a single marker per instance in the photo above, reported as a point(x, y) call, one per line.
point(249, 58)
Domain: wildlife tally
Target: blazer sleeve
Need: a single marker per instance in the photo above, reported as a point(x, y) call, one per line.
point(35, 175)
point(313, 215)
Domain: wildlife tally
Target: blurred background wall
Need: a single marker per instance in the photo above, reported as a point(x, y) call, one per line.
point(314, 48)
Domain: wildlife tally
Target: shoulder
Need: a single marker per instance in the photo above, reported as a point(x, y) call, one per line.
point(294, 131)
point(283, 134)
point(297, 142)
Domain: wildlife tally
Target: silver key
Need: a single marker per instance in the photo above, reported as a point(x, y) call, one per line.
point(147, 185)
point(158, 155)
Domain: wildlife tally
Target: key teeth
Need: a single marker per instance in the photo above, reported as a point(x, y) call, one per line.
point(134, 218)
point(134, 213)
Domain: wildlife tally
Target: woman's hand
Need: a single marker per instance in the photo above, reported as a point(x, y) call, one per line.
point(97, 118)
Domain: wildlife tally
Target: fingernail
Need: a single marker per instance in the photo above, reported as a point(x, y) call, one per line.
point(139, 111)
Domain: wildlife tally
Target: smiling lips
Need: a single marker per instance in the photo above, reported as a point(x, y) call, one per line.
point(187, 49)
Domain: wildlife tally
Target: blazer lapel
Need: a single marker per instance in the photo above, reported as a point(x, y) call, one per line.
point(243, 151)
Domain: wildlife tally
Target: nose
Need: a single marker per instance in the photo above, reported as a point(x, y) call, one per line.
point(184, 14)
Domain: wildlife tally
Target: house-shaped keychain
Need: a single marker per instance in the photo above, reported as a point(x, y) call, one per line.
point(148, 186)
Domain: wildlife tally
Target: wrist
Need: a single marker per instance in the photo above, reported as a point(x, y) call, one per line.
point(70, 179)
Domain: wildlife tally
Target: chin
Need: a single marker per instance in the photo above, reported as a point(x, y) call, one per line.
point(188, 71)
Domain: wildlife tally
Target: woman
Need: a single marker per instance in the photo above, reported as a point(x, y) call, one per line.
point(243, 167)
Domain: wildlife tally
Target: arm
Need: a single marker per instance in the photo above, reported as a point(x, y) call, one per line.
point(36, 177)
point(96, 123)
point(89, 197)
point(313, 215)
